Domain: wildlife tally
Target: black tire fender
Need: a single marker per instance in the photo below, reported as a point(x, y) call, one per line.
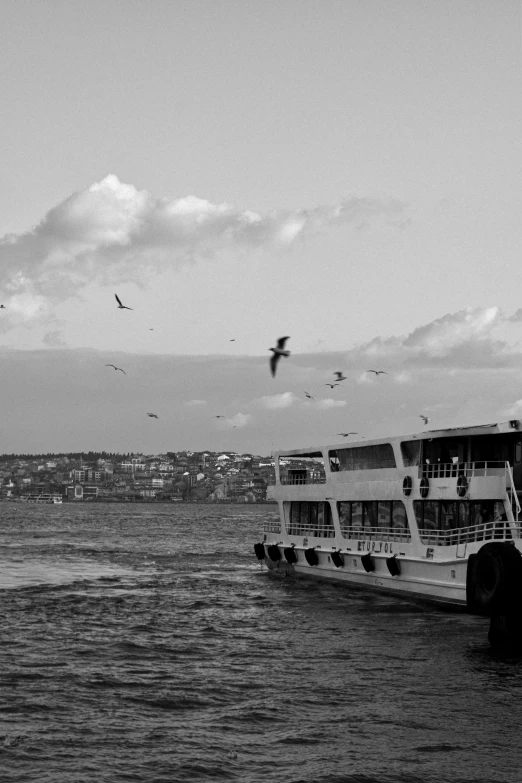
point(494, 580)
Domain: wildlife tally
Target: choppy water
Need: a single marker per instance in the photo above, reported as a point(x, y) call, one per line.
point(144, 643)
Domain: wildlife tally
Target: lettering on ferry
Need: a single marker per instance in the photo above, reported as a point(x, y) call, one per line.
point(375, 546)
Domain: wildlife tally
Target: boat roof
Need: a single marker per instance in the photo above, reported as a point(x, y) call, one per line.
point(497, 428)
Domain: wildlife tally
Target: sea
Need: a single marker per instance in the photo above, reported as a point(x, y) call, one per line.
point(146, 643)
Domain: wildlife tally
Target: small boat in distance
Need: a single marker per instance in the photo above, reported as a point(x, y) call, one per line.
point(433, 516)
point(44, 498)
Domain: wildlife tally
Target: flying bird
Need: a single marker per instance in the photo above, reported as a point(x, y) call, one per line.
point(152, 415)
point(120, 305)
point(425, 419)
point(378, 372)
point(345, 434)
point(116, 368)
point(233, 340)
point(308, 395)
point(278, 351)
point(2, 307)
point(340, 377)
point(218, 417)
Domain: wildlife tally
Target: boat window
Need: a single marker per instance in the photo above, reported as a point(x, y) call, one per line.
point(384, 514)
point(383, 519)
point(365, 457)
point(357, 515)
point(463, 512)
point(399, 517)
point(431, 515)
point(345, 517)
point(518, 451)
point(311, 519)
point(448, 515)
point(417, 508)
point(411, 452)
point(370, 513)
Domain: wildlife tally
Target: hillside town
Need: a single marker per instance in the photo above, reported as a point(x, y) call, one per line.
point(187, 476)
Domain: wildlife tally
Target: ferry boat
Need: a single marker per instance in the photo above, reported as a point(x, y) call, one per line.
point(433, 515)
point(44, 498)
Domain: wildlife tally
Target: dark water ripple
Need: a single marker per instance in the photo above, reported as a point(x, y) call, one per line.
point(145, 644)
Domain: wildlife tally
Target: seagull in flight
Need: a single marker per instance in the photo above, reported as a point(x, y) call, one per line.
point(233, 340)
point(309, 396)
point(218, 417)
point(116, 368)
point(340, 377)
point(345, 434)
point(2, 307)
point(331, 385)
point(278, 351)
point(425, 419)
point(120, 305)
point(378, 372)
point(152, 415)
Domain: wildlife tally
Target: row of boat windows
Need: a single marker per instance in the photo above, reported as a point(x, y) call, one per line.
point(363, 458)
point(452, 514)
point(356, 518)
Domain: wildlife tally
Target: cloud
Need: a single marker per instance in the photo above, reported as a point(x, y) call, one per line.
point(277, 401)
point(328, 403)
point(239, 420)
point(195, 403)
point(512, 410)
point(54, 339)
point(111, 232)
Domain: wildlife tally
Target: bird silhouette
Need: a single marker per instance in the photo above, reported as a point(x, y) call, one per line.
point(340, 377)
point(233, 340)
point(152, 415)
point(378, 372)
point(345, 434)
point(331, 385)
point(425, 419)
point(2, 307)
point(120, 305)
point(116, 368)
point(309, 396)
point(218, 417)
point(278, 351)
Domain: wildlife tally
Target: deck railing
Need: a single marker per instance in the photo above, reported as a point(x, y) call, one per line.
point(376, 533)
point(295, 480)
point(484, 531)
point(468, 469)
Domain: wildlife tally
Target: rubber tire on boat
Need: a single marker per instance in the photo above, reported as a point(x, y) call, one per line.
point(259, 549)
point(424, 487)
point(290, 554)
point(311, 556)
point(368, 563)
point(407, 485)
point(273, 552)
point(462, 485)
point(394, 566)
point(494, 580)
point(337, 559)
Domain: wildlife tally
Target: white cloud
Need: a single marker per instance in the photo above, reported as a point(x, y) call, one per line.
point(277, 401)
point(239, 420)
point(195, 403)
point(328, 403)
point(111, 232)
point(512, 410)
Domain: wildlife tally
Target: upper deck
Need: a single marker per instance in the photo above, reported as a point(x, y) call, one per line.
point(486, 459)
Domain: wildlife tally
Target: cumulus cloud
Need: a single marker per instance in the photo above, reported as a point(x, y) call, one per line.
point(470, 338)
point(239, 420)
point(112, 232)
point(277, 401)
point(328, 403)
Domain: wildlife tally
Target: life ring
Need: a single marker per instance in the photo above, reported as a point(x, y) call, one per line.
point(273, 552)
point(424, 487)
point(337, 559)
point(259, 549)
point(311, 556)
point(290, 554)
point(462, 485)
point(494, 580)
point(407, 485)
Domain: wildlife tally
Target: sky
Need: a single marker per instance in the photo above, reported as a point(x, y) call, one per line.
point(346, 173)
